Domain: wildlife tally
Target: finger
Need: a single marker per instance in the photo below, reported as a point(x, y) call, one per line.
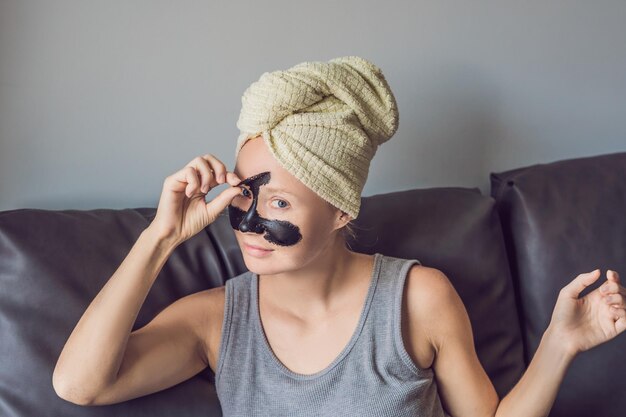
point(578, 284)
point(193, 181)
point(218, 167)
point(620, 324)
point(614, 300)
point(618, 312)
point(612, 275)
point(611, 287)
point(183, 179)
point(207, 180)
point(232, 178)
point(176, 182)
point(219, 203)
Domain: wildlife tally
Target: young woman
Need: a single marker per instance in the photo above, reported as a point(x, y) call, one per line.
point(312, 328)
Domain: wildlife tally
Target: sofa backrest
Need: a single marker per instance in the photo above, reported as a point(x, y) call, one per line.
point(52, 265)
point(561, 219)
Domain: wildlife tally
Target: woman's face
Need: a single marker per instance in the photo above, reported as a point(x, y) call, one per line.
point(276, 211)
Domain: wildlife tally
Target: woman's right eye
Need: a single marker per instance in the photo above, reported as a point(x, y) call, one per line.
point(245, 192)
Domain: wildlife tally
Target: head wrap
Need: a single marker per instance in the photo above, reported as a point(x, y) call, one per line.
point(323, 122)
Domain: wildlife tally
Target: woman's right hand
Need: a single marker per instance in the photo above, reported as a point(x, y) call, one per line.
point(182, 210)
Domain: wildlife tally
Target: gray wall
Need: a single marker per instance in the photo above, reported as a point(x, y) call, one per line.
point(100, 101)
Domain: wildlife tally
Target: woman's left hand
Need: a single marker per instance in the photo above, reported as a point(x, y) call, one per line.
point(583, 323)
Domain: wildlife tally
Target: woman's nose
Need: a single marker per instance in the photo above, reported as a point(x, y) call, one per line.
point(250, 223)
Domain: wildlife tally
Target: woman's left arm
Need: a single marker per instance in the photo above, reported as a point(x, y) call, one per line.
point(577, 324)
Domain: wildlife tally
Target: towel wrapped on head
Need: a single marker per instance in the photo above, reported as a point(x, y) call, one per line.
point(323, 122)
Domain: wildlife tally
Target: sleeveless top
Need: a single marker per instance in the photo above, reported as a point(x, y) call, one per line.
point(372, 376)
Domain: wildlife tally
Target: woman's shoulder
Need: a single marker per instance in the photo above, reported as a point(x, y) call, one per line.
point(432, 301)
point(425, 283)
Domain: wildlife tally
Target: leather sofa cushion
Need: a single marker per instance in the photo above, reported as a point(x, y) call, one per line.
point(52, 265)
point(561, 219)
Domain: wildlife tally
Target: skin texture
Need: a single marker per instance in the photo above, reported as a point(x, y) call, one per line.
point(278, 232)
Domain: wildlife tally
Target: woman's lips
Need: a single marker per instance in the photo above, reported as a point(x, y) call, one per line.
point(257, 250)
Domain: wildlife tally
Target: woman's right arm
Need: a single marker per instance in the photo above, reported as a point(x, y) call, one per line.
point(90, 361)
point(103, 362)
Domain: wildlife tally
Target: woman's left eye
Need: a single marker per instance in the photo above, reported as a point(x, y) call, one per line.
point(281, 203)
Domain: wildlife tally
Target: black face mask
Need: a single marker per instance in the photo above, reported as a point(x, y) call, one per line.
point(279, 232)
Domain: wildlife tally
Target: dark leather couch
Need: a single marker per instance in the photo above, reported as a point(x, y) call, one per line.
point(507, 254)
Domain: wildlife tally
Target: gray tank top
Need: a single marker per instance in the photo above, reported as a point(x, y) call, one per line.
point(373, 375)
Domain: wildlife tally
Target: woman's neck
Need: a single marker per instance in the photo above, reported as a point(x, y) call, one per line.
point(323, 285)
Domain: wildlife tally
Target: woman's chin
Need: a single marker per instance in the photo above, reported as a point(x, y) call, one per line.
point(260, 267)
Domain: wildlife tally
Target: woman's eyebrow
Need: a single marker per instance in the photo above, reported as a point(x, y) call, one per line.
point(276, 189)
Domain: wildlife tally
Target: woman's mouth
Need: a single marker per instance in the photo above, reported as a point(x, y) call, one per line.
point(257, 251)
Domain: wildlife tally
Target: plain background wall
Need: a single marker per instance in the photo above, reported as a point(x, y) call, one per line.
point(101, 100)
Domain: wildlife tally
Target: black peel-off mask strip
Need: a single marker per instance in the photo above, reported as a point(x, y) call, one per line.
point(279, 232)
